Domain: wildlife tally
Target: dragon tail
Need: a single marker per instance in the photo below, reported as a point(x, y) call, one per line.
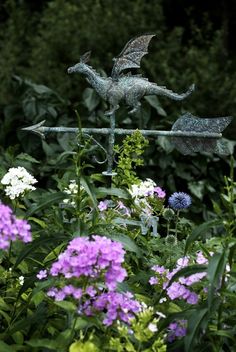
point(157, 90)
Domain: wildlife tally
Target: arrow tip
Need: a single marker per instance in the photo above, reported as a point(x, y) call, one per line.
point(37, 128)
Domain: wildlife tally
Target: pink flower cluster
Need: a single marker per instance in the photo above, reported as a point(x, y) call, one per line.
point(118, 306)
point(96, 258)
point(180, 288)
point(12, 229)
point(93, 267)
point(177, 329)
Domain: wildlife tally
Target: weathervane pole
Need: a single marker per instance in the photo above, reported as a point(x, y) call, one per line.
point(111, 142)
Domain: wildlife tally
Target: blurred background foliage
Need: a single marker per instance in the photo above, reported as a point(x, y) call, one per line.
point(40, 39)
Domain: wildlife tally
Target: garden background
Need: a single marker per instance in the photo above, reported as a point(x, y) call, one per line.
point(39, 40)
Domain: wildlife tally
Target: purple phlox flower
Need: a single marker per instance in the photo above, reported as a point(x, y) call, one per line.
point(192, 279)
point(12, 228)
point(121, 206)
point(153, 280)
point(179, 200)
point(192, 298)
point(176, 290)
point(103, 205)
point(183, 262)
point(98, 257)
point(42, 274)
point(118, 306)
point(159, 192)
point(159, 269)
point(201, 259)
point(91, 291)
point(177, 329)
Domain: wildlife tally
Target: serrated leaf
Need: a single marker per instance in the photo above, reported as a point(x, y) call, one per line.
point(26, 157)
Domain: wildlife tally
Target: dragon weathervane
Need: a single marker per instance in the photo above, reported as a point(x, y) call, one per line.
point(127, 87)
point(189, 134)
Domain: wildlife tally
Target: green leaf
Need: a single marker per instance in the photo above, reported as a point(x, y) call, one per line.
point(26, 157)
point(154, 102)
point(84, 180)
point(80, 346)
point(103, 192)
point(6, 348)
point(197, 188)
point(187, 271)
point(165, 144)
point(91, 99)
point(197, 321)
point(38, 221)
point(68, 306)
point(54, 253)
point(128, 243)
point(30, 248)
point(47, 200)
point(216, 267)
point(47, 343)
point(200, 231)
point(5, 315)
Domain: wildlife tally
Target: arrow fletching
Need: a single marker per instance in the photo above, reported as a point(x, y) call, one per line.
point(206, 143)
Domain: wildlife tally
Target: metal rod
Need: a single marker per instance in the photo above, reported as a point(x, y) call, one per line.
point(39, 129)
point(111, 141)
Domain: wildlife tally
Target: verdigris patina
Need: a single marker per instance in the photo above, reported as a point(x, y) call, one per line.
point(125, 86)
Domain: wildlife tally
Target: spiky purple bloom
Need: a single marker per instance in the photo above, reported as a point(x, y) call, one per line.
point(179, 200)
point(12, 229)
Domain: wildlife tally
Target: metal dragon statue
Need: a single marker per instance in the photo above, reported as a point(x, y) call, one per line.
point(189, 134)
point(127, 87)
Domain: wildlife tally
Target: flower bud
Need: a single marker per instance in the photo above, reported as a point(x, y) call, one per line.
point(168, 214)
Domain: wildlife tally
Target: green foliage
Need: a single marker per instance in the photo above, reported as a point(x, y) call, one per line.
point(38, 47)
point(129, 158)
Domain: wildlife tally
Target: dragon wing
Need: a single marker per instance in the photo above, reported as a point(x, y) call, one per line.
point(131, 55)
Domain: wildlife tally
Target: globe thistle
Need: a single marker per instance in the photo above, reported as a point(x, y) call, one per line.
point(179, 200)
point(171, 240)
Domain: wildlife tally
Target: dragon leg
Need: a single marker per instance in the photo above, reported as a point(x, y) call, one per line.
point(112, 109)
point(132, 98)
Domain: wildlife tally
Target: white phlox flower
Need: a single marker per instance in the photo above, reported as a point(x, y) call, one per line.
point(18, 181)
point(152, 327)
point(143, 189)
point(72, 191)
point(21, 280)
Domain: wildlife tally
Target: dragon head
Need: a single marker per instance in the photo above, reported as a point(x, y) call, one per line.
point(81, 65)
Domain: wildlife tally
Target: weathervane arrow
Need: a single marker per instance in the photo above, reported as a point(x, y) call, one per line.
point(41, 130)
